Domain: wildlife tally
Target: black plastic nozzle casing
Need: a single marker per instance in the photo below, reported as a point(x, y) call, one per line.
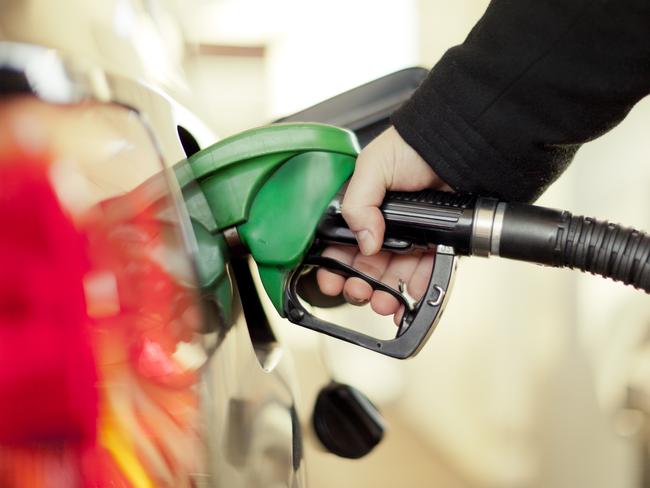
point(414, 220)
point(430, 218)
point(533, 234)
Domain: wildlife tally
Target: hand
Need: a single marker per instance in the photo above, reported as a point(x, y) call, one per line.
point(387, 163)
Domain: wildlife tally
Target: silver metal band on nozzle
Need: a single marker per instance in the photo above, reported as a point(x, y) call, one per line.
point(497, 228)
point(487, 225)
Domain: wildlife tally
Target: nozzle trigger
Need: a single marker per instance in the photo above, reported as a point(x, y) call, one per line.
point(417, 324)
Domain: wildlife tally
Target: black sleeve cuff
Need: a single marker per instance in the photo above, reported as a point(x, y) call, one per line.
point(459, 154)
point(505, 112)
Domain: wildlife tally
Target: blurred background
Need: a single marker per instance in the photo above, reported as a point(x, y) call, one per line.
point(535, 377)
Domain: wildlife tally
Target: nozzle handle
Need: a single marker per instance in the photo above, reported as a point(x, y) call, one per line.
point(417, 324)
point(422, 219)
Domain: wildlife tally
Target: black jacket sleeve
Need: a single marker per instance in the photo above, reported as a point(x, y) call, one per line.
point(505, 112)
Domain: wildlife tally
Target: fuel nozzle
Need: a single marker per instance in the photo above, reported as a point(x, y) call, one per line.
point(484, 226)
point(275, 190)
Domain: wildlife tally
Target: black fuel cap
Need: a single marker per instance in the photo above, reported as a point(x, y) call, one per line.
point(346, 422)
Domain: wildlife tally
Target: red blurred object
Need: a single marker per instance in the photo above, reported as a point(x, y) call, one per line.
point(100, 470)
point(151, 301)
point(47, 372)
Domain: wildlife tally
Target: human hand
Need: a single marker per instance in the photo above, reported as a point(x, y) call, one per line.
point(387, 163)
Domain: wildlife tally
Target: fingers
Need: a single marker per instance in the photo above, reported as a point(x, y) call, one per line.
point(357, 291)
point(417, 285)
point(401, 267)
point(387, 163)
point(330, 283)
point(414, 269)
point(397, 318)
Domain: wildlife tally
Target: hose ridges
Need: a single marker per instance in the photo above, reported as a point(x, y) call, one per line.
point(609, 250)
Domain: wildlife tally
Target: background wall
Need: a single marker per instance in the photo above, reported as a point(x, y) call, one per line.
point(531, 377)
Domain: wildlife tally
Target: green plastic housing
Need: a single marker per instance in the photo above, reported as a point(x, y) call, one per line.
point(272, 184)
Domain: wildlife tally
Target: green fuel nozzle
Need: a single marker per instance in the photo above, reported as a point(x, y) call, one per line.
point(275, 191)
point(270, 187)
point(266, 190)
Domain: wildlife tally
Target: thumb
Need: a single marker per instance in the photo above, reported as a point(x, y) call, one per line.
point(363, 197)
point(387, 163)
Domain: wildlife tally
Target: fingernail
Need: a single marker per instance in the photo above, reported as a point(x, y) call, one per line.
point(354, 300)
point(366, 242)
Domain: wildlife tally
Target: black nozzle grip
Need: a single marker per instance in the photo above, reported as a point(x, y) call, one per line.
point(533, 234)
point(429, 218)
point(421, 219)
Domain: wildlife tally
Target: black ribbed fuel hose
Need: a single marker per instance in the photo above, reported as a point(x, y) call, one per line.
point(559, 239)
point(609, 250)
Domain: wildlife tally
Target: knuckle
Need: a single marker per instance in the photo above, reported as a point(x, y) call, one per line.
point(418, 289)
point(392, 278)
point(384, 303)
point(368, 266)
point(418, 285)
point(347, 211)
